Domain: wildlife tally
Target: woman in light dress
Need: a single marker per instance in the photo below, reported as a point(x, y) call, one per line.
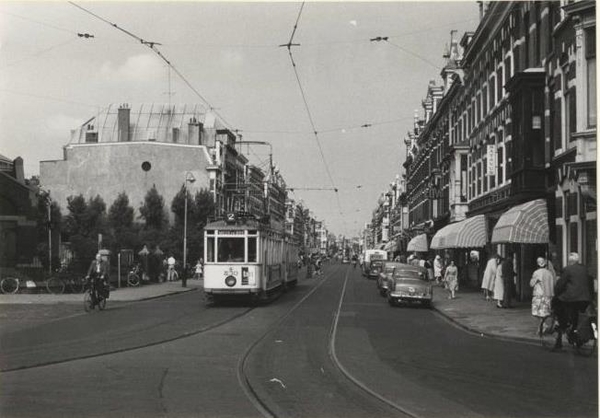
point(542, 282)
point(489, 276)
point(451, 279)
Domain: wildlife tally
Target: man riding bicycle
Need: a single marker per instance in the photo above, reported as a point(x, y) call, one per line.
point(98, 271)
point(573, 293)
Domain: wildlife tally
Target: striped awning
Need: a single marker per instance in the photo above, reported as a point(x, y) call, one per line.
point(470, 233)
point(418, 243)
point(523, 224)
point(390, 246)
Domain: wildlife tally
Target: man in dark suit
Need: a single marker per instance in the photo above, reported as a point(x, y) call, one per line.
point(508, 278)
point(574, 293)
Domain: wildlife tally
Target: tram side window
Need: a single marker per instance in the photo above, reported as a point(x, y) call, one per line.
point(252, 249)
point(210, 250)
point(231, 250)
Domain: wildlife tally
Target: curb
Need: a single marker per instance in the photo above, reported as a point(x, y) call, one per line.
point(480, 333)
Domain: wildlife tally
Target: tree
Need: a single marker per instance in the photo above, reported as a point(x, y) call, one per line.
point(83, 223)
point(123, 231)
point(153, 210)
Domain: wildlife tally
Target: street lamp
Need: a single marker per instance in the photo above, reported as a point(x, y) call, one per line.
point(189, 177)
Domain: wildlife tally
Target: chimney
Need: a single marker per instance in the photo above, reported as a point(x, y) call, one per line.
point(18, 169)
point(123, 122)
point(194, 132)
point(90, 134)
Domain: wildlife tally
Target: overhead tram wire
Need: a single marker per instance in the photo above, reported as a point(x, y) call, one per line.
point(315, 132)
point(152, 46)
point(407, 51)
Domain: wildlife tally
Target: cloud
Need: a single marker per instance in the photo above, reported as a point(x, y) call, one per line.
point(142, 67)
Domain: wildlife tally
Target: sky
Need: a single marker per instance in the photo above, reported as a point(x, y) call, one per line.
point(52, 81)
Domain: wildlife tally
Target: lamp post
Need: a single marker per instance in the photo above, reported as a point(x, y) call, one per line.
point(189, 177)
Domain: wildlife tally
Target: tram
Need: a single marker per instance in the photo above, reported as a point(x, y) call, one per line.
point(245, 257)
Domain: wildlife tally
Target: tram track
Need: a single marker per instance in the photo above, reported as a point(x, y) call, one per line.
point(262, 406)
point(242, 376)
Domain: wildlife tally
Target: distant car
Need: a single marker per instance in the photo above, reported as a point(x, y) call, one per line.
point(375, 267)
point(409, 285)
point(345, 260)
point(384, 274)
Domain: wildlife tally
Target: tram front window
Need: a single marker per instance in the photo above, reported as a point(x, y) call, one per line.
point(231, 250)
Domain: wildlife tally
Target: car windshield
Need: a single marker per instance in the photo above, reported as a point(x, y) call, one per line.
point(376, 264)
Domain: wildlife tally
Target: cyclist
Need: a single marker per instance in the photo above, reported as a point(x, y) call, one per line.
point(354, 261)
point(573, 295)
point(99, 271)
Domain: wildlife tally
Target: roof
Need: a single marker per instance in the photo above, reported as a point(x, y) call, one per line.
point(147, 121)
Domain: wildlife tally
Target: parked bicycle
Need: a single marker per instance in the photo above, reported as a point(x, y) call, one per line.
point(64, 279)
point(134, 277)
point(584, 339)
point(95, 293)
point(10, 285)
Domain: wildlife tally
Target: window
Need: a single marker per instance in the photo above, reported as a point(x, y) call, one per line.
point(252, 250)
point(557, 124)
point(479, 178)
point(485, 174)
point(590, 56)
point(559, 207)
point(210, 250)
point(500, 83)
point(231, 250)
point(500, 165)
point(492, 91)
point(573, 237)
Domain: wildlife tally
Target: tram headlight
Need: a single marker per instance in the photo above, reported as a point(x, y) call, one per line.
point(230, 281)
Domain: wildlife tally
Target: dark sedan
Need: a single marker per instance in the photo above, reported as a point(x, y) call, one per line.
point(375, 267)
point(410, 285)
point(386, 271)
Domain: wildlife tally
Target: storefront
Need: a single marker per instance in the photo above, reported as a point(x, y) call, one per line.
point(522, 233)
point(462, 242)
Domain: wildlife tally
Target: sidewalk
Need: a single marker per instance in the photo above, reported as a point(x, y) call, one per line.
point(124, 294)
point(472, 312)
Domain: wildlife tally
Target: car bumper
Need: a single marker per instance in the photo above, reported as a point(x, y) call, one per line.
point(408, 297)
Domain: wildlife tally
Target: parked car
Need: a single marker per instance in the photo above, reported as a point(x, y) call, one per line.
point(375, 267)
point(410, 285)
point(385, 273)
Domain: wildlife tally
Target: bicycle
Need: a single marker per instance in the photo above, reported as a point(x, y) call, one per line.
point(10, 285)
point(63, 279)
point(584, 339)
point(133, 277)
point(94, 295)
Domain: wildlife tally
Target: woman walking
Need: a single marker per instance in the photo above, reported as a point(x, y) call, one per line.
point(542, 282)
point(489, 276)
point(451, 279)
point(437, 269)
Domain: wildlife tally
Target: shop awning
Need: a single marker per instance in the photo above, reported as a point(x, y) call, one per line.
point(390, 246)
point(523, 224)
point(469, 233)
point(418, 243)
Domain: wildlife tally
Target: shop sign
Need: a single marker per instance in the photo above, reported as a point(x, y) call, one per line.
point(491, 160)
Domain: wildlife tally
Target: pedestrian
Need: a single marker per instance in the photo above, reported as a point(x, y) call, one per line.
point(498, 283)
point(429, 267)
point(542, 282)
point(198, 270)
point(437, 269)
point(451, 279)
point(318, 266)
point(489, 276)
point(171, 268)
point(573, 293)
point(508, 276)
